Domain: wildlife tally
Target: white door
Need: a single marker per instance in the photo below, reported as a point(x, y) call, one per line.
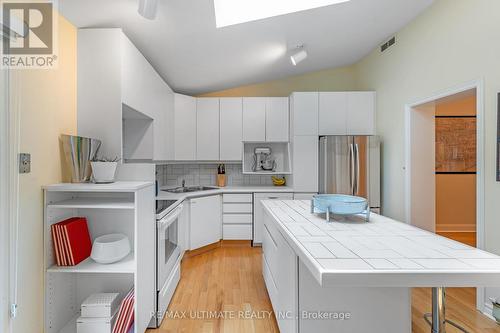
point(207, 129)
point(305, 163)
point(206, 221)
point(277, 118)
point(361, 113)
point(231, 128)
point(254, 119)
point(258, 212)
point(332, 113)
point(304, 113)
point(185, 127)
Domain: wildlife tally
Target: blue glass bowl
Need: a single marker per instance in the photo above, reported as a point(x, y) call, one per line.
point(340, 204)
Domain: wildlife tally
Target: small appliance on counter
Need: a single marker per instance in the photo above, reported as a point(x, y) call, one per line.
point(221, 175)
point(263, 160)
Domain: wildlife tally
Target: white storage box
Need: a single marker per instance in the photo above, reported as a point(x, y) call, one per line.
point(95, 325)
point(102, 305)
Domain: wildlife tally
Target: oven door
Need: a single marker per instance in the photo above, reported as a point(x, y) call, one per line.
point(167, 245)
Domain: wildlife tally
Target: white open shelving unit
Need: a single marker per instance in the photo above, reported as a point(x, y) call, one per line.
point(122, 207)
point(280, 153)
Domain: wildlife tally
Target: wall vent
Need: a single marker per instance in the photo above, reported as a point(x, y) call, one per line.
point(388, 44)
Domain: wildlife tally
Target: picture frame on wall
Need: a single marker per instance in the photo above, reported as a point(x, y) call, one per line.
point(498, 137)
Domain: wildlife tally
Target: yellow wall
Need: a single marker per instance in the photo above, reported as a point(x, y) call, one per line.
point(47, 107)
point(450, 44)
point(338, 79)
point(465, 106)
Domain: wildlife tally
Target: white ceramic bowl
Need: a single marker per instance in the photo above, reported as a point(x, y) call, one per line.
point(110, 248)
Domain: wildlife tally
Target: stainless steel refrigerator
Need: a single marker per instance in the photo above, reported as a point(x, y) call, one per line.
point(350, 165)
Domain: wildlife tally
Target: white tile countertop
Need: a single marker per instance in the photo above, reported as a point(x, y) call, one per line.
point(379, 253)
point(163, 195)
point(119, 186)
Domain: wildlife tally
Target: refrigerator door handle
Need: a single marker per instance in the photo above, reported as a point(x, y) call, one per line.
point(351, 168)
point(356, 188)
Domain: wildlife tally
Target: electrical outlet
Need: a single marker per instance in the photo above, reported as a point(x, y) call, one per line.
point(24, 163)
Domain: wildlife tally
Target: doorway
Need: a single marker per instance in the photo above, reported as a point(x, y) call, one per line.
point(444, 166)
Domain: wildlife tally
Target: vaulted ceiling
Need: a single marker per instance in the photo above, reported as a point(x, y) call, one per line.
point(193, 56)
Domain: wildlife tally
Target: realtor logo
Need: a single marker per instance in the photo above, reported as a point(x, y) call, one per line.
point(28, 34)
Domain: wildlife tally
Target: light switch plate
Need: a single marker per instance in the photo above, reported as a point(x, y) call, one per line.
point(24, 163)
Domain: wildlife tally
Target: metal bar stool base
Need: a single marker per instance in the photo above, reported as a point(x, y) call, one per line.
point(437, 319)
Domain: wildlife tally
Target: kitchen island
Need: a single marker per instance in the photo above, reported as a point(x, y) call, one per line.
point(355, 276)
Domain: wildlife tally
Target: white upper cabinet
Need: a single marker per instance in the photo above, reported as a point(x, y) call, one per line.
point(185, 128)
point(361, 113)
point(304, 113)
point(114, 78)
point(277, 117)
point(207, 129)
point(254, 119)
point(305, 163)
point(347, 113)
point(332, 113)
point(231, 128)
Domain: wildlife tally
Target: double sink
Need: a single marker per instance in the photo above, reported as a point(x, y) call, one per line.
point(187, 189)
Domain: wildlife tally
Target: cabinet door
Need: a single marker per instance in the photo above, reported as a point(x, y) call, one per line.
point(361, 113)
point(305, 163)
point(254, 119)
point(231, 128)
point(206, 221)
point(304, 113)
point(277, 116)
point(185, 128)
point(287, 285)
point(164, 131)
point(332, 113)
point(207, 129)
point(258, 212)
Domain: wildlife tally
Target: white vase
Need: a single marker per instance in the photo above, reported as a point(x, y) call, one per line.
point(103, 172)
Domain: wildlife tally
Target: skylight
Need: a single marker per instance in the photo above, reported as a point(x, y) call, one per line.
point(230, 12)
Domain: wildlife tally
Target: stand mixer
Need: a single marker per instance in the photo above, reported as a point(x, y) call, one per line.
point(263, 160)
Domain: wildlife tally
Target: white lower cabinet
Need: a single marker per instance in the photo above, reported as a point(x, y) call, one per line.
point(205, 226)
point(183, 226)
point(237, 216)
point(258, 212)
point(280, 271)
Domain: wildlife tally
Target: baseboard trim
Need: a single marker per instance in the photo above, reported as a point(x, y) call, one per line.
point(202, 250)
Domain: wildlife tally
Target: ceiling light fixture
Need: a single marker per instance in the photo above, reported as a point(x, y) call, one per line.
point(148, 8)
point(229, 12)
point(298, 56)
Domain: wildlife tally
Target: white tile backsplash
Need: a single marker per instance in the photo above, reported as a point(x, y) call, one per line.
point(205, 175)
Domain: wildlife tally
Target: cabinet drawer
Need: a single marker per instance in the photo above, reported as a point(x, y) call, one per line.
point(237, 218)
point(238, 208)
point(235, 231)
point(239, 197)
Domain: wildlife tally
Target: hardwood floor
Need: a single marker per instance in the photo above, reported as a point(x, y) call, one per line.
point(460, 307)
point(228, 278)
